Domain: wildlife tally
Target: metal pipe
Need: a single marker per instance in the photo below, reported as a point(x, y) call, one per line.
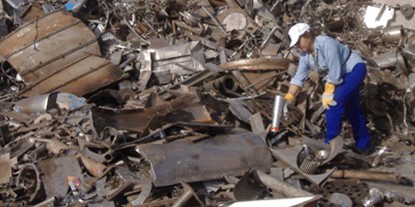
point(45, 202)
point(393, 34)
point(277, 112)
point(386, 60)
point(226, 82)
point(183, 199)
point(32, 104)
point(365, 175)
point(193, 30)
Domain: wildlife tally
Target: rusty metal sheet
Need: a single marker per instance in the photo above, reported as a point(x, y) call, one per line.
point(259, 81)
point(80, 78)
point(127, 119)
point(55, 47)
point(34, 31)
point(58, 52)
point(42, 71)
point(231, 154)
point(256, 64)
point(54, 173)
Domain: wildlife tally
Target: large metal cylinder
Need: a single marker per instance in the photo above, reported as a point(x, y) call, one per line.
point(386, 60)
point(224, 83)
point(32, 105)
point(392, 34)
point(277, 112)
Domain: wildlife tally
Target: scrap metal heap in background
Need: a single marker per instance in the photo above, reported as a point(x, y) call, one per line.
point(169, 103)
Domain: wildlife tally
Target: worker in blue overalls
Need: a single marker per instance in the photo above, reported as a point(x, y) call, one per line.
point(346, 72)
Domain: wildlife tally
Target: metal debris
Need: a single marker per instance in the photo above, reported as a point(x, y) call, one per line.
point(170, 103)
point(6, 170)
point(239, 152)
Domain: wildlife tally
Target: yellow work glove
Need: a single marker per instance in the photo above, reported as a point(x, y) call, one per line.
point(289, 98)
point(328, 96)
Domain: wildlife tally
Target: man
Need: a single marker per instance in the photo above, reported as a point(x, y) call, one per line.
point(346, 72)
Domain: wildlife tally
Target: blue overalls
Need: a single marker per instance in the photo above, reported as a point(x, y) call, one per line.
point(347, 71)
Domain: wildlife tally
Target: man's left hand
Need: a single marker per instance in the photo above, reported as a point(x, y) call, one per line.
point(328, 96)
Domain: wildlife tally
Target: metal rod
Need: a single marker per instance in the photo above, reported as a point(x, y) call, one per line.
point(186, 196)
point(222, 29)
point(266, 40)
point(365, 175)
point(45, 202)
point(193, 30)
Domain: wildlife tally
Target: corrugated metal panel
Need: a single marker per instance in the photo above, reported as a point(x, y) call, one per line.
point(187, 161)
point(58, 52)
point(34, 31)
point(80, 78)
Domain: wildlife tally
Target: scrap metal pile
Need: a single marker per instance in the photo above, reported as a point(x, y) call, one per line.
point(169, 103)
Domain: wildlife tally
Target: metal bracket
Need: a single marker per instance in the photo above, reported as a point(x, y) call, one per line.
point(146, 186)
point(290, 157)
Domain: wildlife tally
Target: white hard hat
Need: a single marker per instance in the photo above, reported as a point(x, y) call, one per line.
point(296, 31)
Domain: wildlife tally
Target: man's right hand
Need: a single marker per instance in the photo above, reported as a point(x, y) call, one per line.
point(289, 98)
point(292, 92)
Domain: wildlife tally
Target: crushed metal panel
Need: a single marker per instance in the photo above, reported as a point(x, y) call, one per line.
point(54, 173)
point(208, 159)
point(399, 17)
point(80, 78)
point(58, 52)
point(175, 59)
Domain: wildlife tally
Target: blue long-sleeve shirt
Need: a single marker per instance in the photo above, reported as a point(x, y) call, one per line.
point(330, 56)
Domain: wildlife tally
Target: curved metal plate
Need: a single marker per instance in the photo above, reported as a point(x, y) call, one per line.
point(58, 52)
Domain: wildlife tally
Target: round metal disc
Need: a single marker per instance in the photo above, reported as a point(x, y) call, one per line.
point(407, 11)
point(234, 21)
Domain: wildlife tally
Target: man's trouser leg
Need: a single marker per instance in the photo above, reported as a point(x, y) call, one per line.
point(344, 93)
point(358, 121)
